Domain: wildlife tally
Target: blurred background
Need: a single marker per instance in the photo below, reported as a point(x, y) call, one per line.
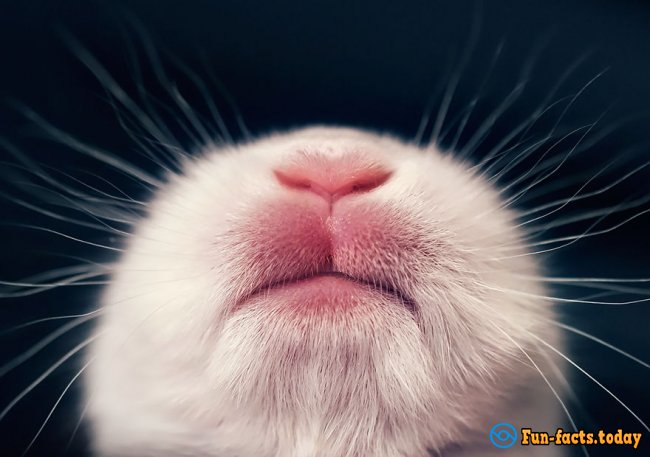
point(380, 65)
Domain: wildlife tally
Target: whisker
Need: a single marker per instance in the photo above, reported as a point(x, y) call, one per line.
point(559, 374)
point(566, 279)
point(171, 86)
point(479, 136)
point(561, 299)
point(200, 85)
point(107, 210)
point(498, 153)
point(33, 168)
point(46, 373)
point(452, 84)
point(60, 272)
point(239, 119)
point(126, 198)
point(553, 130)
point(43, 343)
point(575, 197)
point(543, 178)
point(70, 237)
point(465, 116)
point(583, 371)
point(47, 319)
point(33, 289)
point(577, 331)
point(578, 197)
point(548, 383)
point(536, 115)
point(607, 211)
point(512, 199)
point(77, 426)
point(158, 131)
point(106, 157)
point(56, 404)
point(542, 163)
point(571, 239)
point(53, 215)
point(171, 154)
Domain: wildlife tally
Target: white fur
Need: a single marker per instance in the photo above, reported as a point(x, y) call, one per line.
point(177, 371)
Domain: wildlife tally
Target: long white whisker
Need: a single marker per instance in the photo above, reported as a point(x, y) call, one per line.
point(453, 82)
point(30, 166)
point(544, 177)
point(46, 373)
point(551, 133)
point(537, 114)
point(70, 237)
point(566, 279)
point(22, 358)
point(56, 404)
point(47, 319)
point(126, 199)
point(561, 299)
point(498, 153)
point(239, 119)
point(200, 85)
point(61, 272)
point(575, 198)
point(76, 427)
point(574, 238)
point(53, 215)
point(33, 289)
point(157, 131)
point(548, 383)
point(559, 374)
point(165, 81)
point(91, 151)
point(577, 331)
point(472, 104)
point(583, 371)
point(171, 152)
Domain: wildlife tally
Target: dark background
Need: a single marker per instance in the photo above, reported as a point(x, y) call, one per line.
point(374, 64)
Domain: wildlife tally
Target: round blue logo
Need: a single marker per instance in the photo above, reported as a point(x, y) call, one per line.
point(503, 435)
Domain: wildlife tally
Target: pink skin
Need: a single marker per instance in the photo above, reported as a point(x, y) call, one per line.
point(332, 179)
point(314, 235)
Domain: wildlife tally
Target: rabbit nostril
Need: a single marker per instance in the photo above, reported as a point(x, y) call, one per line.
point(332, 182)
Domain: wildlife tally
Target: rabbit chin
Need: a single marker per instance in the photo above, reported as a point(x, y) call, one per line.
point(353, 379)
point(350, 380)
point(359, 380)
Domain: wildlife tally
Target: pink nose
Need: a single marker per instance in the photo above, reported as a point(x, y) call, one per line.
point(332, 179)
